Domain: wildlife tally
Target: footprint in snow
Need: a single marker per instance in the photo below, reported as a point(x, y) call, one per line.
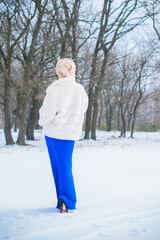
point(4, 237)
point(96, 225)
point(101, 225)
point(134, 232)
point(103, 233)
point(134, 221)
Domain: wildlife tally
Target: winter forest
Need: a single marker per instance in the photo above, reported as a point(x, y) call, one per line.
point(115, 45)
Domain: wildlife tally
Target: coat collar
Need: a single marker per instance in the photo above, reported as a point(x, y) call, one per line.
point(65, 80)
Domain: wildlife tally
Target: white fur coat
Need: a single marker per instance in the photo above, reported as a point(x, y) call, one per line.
point(62, 112)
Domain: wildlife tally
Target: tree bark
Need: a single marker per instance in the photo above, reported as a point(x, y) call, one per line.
point(118, 119)
point(7, 114)
point(89, 113)
point(100, 115)
point(7, 110)
point(135, 111)
point(23, 119)
point(94, 120)
point(109, 115)
point(32, 116)
point(123, 123)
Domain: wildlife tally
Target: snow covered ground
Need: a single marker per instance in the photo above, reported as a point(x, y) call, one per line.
point(117, 182)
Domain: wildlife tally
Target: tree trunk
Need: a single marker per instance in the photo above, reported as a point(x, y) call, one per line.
point(7, 128)
point(89, 113)
point(7, 112)
point(123, 124)
point(17, 110)
point(108, 123)
point(129, 122)
point(90, 96)
point(96, 95)
point(118, 119)
point(100, 116)
point(15, 123)
point(32, 117)
point(109, 114)
point(23, 120)
point(123, 129)
point(135, 111)
point(132, 126)
point(94, 120)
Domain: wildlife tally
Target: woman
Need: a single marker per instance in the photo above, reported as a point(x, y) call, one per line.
point(61, 117)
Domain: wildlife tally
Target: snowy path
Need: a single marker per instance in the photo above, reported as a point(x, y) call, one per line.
point(118, 190)
point(31, 225)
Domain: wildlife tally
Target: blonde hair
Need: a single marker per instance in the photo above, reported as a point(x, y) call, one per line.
point(66, 67)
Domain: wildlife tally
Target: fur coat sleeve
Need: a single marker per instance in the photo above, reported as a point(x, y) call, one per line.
point(49, 108)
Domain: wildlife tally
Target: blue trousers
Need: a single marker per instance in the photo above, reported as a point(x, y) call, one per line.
point(60, 153)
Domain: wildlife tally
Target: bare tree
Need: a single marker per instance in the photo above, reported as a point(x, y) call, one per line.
point(74, 25)
point(116, 21)
point(152, 8)
point(10, 35)
point(28, 54)
point(132, 86)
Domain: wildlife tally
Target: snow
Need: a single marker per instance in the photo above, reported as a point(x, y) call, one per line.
point(117, 182)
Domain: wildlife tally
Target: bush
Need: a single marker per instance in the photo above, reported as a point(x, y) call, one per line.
point(148, 126)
